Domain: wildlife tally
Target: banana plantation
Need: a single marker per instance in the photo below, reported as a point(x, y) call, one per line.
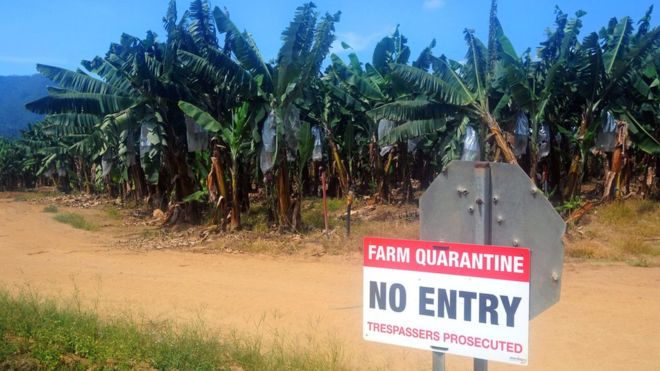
point(199, 124)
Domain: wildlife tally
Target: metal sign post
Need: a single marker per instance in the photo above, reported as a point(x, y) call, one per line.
point(495, 203)
point(482, 219)
point(482, 234)
point(438, 361)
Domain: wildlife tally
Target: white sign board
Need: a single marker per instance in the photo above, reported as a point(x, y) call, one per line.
point(469, 300)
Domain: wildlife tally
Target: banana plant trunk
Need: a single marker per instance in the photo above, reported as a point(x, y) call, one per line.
point(344, 181)
point(554, 162)
point(533, 167)
point(184, 185)
point(63, 183)
point(574, 177)
point(219, 176)
point(245, 188)
point(235, 203)
point(382, 190)
point(496, 131)
point(218, 180)
point(283, 193)
point(141, 190)
point(296, 212)
point(341, 169)
point(87, 179)
point(614, 174)
point(79, 174)
point(613, 177)
point(404, 165)
point(533, 153)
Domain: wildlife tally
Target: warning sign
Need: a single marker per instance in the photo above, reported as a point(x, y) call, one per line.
point(470, 300)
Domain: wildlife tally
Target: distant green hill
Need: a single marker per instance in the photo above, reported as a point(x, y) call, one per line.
point(15, 91)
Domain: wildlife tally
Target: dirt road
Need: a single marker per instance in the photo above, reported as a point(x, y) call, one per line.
point(607, 318)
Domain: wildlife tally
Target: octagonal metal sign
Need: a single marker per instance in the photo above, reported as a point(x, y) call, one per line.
point(497, 204)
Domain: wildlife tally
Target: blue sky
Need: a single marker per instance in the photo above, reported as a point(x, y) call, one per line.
point(63, 32)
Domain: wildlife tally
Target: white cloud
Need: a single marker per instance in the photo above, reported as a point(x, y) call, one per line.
point(433, 4)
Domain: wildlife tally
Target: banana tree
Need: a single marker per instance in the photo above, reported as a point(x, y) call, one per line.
point(221, 81)
point(605, 66)
point(459, 88)
point(154, 72)
point(306, 42)
point(50, 155)
point(139, 88)
point(640, 106)
point(533, 86)
point(82, 110)
point(77, 108)
point(638, 109)
point(369, 93)
point(418, 122)
point(237, 135)
point(13, 173)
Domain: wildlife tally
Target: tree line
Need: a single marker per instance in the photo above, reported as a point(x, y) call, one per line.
point(199, 121)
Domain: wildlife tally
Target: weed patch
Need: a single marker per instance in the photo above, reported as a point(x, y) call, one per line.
point(646, 206)
point(312, 212)
point(636, 246)
point(256, 219)
point(580, 252)
point(112, 213)
point(42, 334)
point(35, 195)
point(641, 262)
point(76, 221)
point(620, 231)
point(50, 209)
point(616, 212)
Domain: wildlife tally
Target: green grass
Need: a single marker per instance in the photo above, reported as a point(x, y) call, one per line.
point(32, 196)
point(76, 221)
point(617, 212)
point(335, 204)
point(50, 209)
point(112, 212)
point(312, 212)
point(41, 334)
point(641, 262)
point(255, 218)
point(569, 206)
point(314, 219)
